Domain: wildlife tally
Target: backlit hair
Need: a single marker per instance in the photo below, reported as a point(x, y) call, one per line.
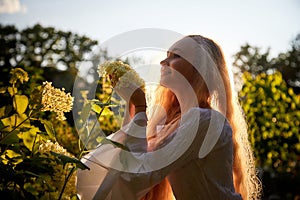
point(246, 181)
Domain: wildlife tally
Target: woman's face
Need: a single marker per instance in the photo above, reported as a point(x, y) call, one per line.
point(174, 69)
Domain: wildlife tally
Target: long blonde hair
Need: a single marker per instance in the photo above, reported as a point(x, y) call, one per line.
point(246, 181)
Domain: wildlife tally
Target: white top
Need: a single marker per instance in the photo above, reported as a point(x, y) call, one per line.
point(197, 159)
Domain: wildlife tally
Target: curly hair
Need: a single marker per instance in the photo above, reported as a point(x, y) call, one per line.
point(246, 181)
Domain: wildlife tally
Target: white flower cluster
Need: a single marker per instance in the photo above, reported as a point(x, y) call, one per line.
point(56, 100)
point(120, 74)
point(60, 171)
point(55, 147)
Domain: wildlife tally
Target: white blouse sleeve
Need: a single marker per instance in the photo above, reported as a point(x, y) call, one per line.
point(135, 134)
point(134, 173)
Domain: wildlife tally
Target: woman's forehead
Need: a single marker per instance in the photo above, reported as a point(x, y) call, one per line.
point(191, 51)
point(186, 47)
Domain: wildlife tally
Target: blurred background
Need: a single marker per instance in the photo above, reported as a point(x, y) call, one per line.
point(260, 39)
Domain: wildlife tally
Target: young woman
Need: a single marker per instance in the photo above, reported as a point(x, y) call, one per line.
point(196, 146)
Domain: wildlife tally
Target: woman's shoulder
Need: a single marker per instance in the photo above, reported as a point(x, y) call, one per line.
point(213, 129)
point(203, 114)
point(208, 121)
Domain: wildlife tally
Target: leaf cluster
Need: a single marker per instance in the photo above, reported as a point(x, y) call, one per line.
point(26, 170)
point(273, 115)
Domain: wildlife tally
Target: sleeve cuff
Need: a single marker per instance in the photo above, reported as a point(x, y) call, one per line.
point(135, 130)
point(135, 138)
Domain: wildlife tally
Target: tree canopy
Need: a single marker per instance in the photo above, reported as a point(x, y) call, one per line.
point(271, 102)
point(251, 59)
point(37, 47)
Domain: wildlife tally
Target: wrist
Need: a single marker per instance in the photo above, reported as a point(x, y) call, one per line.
point(140, 108)
point(140, 118)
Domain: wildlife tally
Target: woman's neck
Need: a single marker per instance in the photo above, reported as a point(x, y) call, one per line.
point(187, 99)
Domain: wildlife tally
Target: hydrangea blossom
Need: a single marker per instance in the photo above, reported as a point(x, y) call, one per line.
point(60, 171)
point(50, 146)
point(120, 74)
point(56, 100)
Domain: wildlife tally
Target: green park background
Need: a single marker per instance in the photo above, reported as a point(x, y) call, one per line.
point(39, 154)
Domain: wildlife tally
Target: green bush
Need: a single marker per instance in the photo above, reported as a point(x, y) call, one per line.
point(33, 165)
point(273, 115)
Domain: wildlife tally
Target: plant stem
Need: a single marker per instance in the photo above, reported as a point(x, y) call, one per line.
point(66, 181)
point(101, 111)
point(17, 126)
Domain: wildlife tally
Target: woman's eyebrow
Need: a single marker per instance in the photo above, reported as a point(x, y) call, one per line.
point(168, 53)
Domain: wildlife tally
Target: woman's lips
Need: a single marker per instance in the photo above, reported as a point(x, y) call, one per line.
point(165, 70)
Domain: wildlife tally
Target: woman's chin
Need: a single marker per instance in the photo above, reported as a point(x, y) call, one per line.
point(165, 82)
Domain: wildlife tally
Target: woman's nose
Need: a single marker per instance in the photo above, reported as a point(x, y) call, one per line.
point(164, 62)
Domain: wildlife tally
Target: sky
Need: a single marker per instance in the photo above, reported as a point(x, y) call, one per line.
point(231, 23)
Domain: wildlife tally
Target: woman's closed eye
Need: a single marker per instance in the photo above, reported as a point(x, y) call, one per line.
point(176, 55)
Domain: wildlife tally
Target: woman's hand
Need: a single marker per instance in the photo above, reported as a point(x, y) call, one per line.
point(134, 96)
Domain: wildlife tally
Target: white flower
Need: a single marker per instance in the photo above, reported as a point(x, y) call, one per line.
point(120, 74)
point(56, 100)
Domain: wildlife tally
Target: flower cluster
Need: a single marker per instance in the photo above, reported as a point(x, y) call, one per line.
point(61, 171)
point(18, 74)
point(55, 147)
point(120, 74)
point(56, 100)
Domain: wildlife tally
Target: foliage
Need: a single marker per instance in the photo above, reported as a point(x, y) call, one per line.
point(66, 135)
point(273, 115)
point(289, 65)
point(40, 46)
point(39, 154)
point(55, 54)
point(99, 116)
point(45, 53)
point(269, 94)
point(110, 119)
point(33, 165)
point(251, 59)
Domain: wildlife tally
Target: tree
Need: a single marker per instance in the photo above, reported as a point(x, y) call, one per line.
point(33, 164)
point(8, 43)
point(251, 59)
point(45, 53)
point(42, 47)
point(272, 110)
point(289, 65)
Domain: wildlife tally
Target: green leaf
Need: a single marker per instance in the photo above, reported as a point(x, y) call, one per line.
point(75, 197)
point(99, 103)
point(106, 111)
point(5, 110)
point(49, 129)
point(10, 138)
point(30, 188)
point(20, 103)
point(85, 113)
point(13, 156)
point(104, 140)
point(2, 111)
point(12, 90)
point(2, 90)
point(66, 159)
point(96, 108)
point(29, 137)
point(2, 125)
point(15, 120)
